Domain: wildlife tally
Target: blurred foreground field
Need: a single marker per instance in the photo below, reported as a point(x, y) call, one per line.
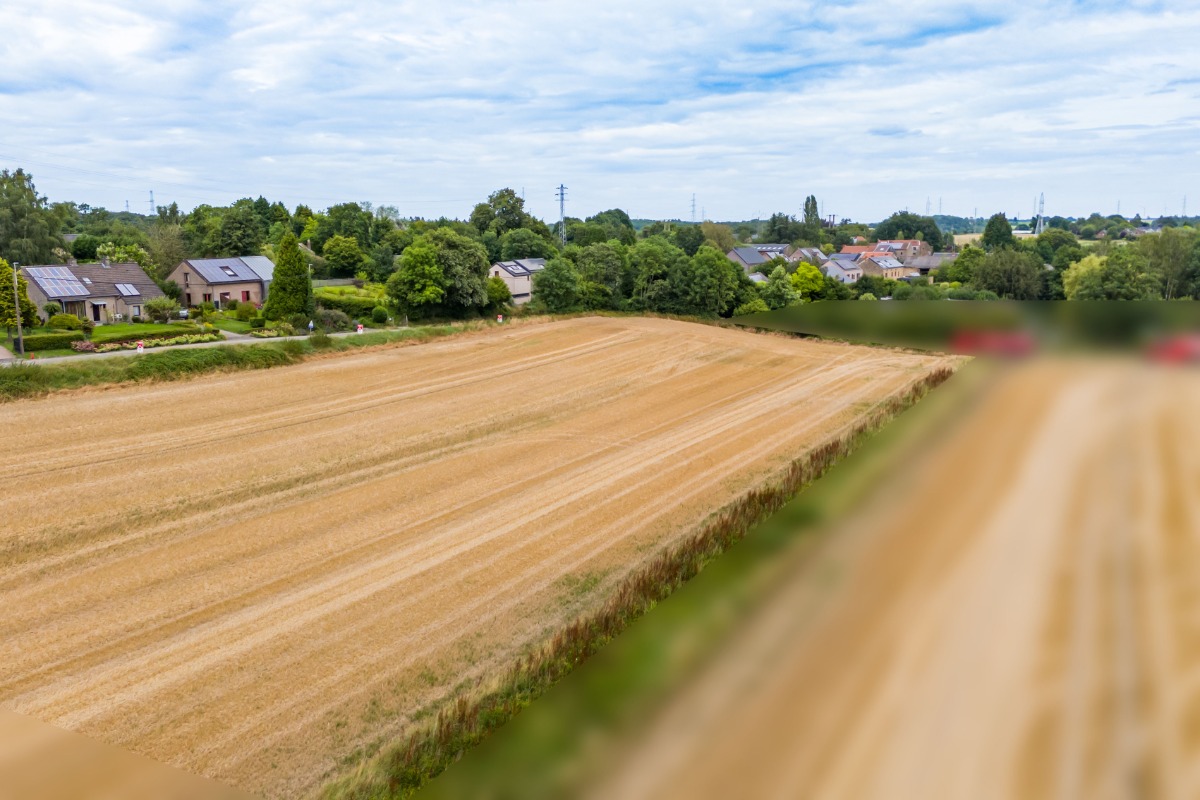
point(994, 599)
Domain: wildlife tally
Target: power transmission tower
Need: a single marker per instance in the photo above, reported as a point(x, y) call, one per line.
point(126, 206)
point(1041, 214)
point(152, 202)
point(693, 208)
point(928, 205)
point(939, 205)
point(562, 212)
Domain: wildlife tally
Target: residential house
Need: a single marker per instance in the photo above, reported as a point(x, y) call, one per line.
point(102, 292)
point(813, 255)
point(885, 267)
point(246, 279)
point(518, 276)
point(842, 270)
point(904, 250)
point(757, 277)
point(753, 256)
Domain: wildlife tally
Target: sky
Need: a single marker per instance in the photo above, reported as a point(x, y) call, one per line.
point(872, 106)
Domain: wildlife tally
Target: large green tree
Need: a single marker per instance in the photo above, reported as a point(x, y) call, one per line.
point(504, 211)
point(713, 289)
point(1121, 275)
point(557, 285)
point(242, 230)
point(464, 263)
point(418, 284)
point(344, 255)
point(1011, 274)
point(524, 243)
point(778, 291)
point(28, 228)
point(906, 225)
point(604, 264)
point(1169, 257)
point(29, 311)
point(291, 286)
point(997, 233)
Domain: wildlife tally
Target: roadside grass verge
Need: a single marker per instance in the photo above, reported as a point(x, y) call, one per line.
point(470, 718)
point(29, 380)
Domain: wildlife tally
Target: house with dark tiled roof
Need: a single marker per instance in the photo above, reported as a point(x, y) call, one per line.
point(842, 270)
point(752, 256)
point(246, 279)
point(885, 267)
point(813, 255)
point(102, 292)
point(518, 276)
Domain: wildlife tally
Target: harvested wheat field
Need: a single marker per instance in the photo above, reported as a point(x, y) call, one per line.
point(1018, 620)
point(258, 577)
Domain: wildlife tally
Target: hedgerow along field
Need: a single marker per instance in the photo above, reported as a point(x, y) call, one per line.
point(266, 577)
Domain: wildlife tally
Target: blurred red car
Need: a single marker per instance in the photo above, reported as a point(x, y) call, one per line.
point(1007, 344)
point(1180, 349)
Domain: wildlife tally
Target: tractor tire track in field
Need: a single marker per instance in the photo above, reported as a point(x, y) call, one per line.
point(252, 576)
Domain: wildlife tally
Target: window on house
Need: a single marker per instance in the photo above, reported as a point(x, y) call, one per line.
point(185, 279)
point(245, 296)
point(207, 297)
point(229, 271)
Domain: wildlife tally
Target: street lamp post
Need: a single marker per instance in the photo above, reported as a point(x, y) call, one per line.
point(17, 310)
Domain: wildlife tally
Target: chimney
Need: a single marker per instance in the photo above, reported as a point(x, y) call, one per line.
point(104, 262)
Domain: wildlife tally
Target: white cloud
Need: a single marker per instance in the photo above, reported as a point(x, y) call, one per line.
point(750, 105)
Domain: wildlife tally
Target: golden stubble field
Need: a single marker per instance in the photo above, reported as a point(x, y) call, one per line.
point(258, 576)
point(1017, 618)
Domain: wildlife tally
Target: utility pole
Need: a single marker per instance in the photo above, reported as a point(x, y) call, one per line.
point(17, 310)
point(939, 205)
point(562, 212)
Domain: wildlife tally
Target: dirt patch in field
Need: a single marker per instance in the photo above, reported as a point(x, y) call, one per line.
point(258, 577)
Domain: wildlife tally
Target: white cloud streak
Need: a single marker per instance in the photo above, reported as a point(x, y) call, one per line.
point(750, 105)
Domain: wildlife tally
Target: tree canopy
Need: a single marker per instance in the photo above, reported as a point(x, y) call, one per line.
point(906, 225)
point(291, 287)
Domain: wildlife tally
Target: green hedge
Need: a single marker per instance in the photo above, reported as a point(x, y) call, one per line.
point(353, 306)
point(99, 337)
point(52, 341)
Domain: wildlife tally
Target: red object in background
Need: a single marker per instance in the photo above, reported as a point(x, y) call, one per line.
point(1008, 344)
point(1181, 349)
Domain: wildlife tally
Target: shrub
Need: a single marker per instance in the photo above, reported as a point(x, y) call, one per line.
point(161, 309)
point(755, 306)
point(329, 319)
point(65, 322)
point(51, 309)
point(246, 311)
point(207, 307)
point(298, 322)
point(136, 318)
point(231, 304)
point(88, 327)
point(351, 305)
point(379, 314)
point(83, 346)
point(51, 341)
point(256, 322)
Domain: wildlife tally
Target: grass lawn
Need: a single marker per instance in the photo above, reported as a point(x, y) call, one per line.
point(121, 331)
point(231, 325)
